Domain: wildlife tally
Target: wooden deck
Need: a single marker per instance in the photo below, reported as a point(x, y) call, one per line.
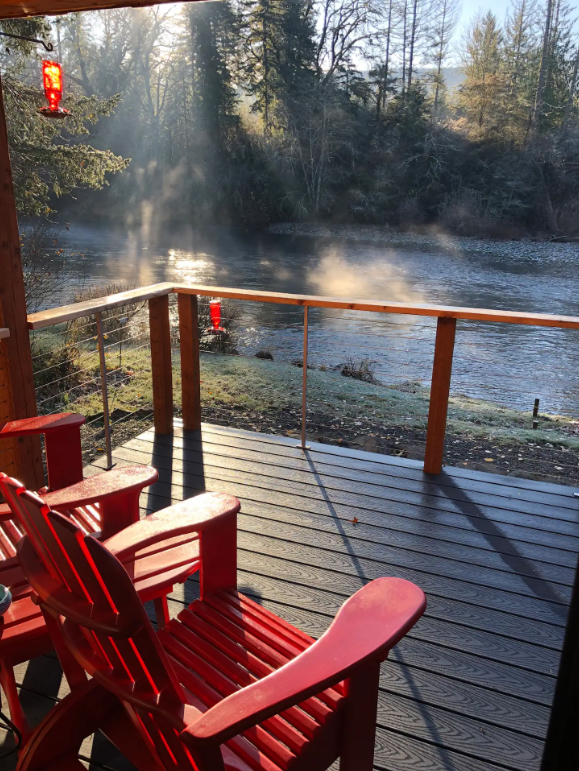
point(470, 688)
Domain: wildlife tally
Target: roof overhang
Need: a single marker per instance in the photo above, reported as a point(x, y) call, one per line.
point(18, 8)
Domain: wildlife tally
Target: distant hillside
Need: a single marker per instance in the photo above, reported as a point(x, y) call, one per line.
point(452, 75)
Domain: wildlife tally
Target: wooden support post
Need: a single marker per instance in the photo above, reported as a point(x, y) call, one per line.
point(562, 743)
point(439, 391)
point(358, 732)
point(21, 457)
point(160, 331)
point(190, 372)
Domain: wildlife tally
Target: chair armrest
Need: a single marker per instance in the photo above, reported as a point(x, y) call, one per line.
point(117, 482)
point(41, 425)
point(189, 516)
point(365, 628)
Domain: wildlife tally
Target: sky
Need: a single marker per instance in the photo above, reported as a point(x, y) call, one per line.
point(500, 8)
point(470, 8)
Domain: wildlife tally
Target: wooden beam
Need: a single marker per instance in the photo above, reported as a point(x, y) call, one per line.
point(562, 743)
point(439, 392)
point(99, 304)
point(18, 8)
point(22, 456)
point(77, 310)
point(162, 371)
point(374, 306)
point(190, 373)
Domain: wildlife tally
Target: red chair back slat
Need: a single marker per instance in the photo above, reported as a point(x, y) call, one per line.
point(31, 512)
point(106, 626)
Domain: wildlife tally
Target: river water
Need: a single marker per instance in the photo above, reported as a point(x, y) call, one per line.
point(508, 364)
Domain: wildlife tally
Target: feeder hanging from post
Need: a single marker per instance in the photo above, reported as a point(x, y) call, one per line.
point(215, 316)
point(52, 82)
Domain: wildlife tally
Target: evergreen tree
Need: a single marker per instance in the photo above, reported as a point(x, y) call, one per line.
point(381, 74)
point(262, 33)
point(443, 23)
point(521, 54)
point(545, 66)
point(279, 55)
point(482, 95)
point(211, 28)
point(560, 69)
point(215, 123)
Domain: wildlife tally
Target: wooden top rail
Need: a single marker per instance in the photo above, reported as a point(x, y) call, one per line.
point(77, 310)
point(4, 333)
point(373, 306)
point(87, 308)
point(17, 8)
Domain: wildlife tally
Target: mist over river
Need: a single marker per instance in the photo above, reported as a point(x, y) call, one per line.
point(508, 364)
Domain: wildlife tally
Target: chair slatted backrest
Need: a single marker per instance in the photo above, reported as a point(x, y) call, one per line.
point(106, 626)
point(32, 518)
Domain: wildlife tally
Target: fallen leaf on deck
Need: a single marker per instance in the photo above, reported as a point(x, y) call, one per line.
point(355, 521)
point(489, 460)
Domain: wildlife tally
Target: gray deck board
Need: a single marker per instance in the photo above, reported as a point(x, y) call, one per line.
point(469, 688)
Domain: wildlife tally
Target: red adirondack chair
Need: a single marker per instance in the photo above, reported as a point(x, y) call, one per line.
point(101, 505)
point(226, 684)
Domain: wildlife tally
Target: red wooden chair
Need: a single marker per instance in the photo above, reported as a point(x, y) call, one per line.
point(62, 444)
point(101, 506)
point(226, 684)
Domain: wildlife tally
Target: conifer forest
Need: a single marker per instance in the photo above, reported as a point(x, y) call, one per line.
point(250, 112)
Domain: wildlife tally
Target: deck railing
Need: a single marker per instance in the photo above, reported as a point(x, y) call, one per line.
point(158, 295)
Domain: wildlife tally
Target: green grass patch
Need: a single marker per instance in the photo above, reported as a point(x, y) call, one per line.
point(260, 386)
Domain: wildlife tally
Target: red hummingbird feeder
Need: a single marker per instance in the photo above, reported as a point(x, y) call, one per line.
point(215, 316)
point(52, 82)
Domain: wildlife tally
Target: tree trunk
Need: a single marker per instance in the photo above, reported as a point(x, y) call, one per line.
point(412, 42)
point(548, 210)
point(544, 69)
point(515, 76)
point(572, 88)
point(404, 47)
point(84, 80)
point(266, 79)
point(387, 60)
point(440, 55)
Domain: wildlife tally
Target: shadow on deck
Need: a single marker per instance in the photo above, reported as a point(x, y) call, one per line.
point(469, 689)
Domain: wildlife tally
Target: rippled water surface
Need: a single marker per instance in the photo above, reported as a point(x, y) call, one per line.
point(505, 363)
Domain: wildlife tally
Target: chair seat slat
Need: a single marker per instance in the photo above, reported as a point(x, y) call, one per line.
point(326, 700)
point(207, 697)
point(213, 642)
point(286, 730)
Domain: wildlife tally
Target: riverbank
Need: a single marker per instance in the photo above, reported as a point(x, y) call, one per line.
point(428, 236)
point(265, 396)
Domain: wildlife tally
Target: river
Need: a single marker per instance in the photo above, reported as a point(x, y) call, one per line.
point(508, 364)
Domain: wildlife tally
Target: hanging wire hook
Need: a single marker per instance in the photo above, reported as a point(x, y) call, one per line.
point(47, 46)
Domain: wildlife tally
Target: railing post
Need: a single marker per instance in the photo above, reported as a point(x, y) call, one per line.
point(21, 457)
point(104, 388)
point(162, 372)
point(439, 392)
point(305, 381)
point(190, 370)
